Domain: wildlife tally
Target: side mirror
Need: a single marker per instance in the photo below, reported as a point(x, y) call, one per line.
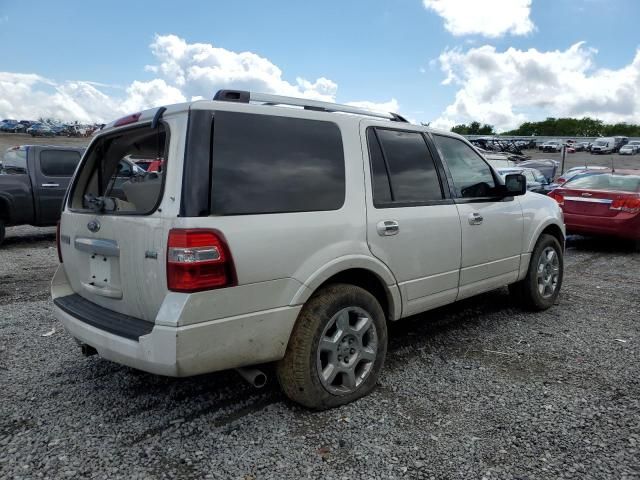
point(515, 184)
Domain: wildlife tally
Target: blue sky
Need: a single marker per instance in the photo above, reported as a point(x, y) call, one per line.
point(389, 53)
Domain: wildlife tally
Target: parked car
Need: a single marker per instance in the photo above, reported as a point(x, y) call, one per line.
point(291, 247)
point(33, 181)
point(572, 172)
point(549, 168)
point(582, 146)
point(496, 159)
point(603, 145)
point(630, 148)
point(536, 181)
point(551, 146)
point(40, 130)
point(12, 126)
point(602, 204)
point(619, 142)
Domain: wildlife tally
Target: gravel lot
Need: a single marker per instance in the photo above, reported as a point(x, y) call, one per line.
point(475, 390)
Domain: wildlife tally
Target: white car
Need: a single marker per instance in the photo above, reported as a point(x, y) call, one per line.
point(603, 145)
point(287, 235)
point(551, 146)
point(630, 148)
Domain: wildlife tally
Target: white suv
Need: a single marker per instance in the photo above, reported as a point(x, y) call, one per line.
point(291, 235)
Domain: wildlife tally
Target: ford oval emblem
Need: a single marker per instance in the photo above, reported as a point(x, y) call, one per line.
point(93, 226)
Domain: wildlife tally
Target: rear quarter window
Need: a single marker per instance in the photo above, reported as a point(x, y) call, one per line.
point(271, 164)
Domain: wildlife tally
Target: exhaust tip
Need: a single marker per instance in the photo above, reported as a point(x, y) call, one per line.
point(255, 377)
point(260, 380)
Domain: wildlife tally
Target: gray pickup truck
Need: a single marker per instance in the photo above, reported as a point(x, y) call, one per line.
point(33, 182)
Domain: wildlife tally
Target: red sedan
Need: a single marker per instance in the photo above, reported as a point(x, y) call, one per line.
point(602, 204)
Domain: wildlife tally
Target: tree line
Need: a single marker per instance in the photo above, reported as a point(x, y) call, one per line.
point(561, 127)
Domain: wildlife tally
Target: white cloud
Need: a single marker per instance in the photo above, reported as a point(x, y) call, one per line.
point(509, 87)
point(183, 72)
point(490, 18)
point(390, 106)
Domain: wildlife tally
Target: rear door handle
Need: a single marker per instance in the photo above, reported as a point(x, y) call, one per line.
point(50, 185)
point(475, 218)
point(387, 228)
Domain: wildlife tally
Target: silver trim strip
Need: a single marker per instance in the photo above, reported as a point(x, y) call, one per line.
point(303, 102)
point(108, 248)
point(589, 200)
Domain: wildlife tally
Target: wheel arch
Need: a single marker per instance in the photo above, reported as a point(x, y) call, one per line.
point(5, 210)
point(551, 227)
point(365, 272)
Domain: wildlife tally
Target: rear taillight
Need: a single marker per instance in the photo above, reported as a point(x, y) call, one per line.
point(58, 241)
point(198, 259)
point(558, 197)
point(628, 205)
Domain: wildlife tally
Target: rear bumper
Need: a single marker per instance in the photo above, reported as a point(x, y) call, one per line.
point(204, 347)
point(628, 227)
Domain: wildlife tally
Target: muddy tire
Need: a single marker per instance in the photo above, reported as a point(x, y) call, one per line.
point(336, 350)
point(539, 290)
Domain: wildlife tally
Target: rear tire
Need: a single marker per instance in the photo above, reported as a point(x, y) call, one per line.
point(539, 290)
point(336, 350)
point(2, 231)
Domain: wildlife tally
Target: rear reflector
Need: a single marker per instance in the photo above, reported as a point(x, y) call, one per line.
point(198, 259)
point(628, 205)
point(133, 118)
point(58, 241)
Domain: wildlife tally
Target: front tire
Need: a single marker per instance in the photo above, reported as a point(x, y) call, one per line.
point(336, 350)
point(539, 290)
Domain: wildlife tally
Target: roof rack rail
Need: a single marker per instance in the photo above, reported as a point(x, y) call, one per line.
point(243, 96)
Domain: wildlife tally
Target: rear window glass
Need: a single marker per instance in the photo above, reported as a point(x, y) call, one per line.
point(270, 164)
point(111, 182)
point(58, 163)
point(14, 161)
point(619, 183)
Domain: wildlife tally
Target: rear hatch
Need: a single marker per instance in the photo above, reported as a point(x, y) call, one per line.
point(112, 232)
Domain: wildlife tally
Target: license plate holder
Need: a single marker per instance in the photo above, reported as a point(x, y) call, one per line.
point(99, 270)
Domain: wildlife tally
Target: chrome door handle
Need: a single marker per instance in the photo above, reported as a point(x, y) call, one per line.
point(50, 185)
point(387, 228)
point(475, 218)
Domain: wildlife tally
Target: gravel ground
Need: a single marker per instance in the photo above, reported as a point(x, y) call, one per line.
point(475, 390)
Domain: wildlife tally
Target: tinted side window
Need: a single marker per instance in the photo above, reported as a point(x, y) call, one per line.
point(412, 171)
point(58, 163)
point(269, 164)
point(471, 175)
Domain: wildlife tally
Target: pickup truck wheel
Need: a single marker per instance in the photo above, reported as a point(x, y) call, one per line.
point(2, 231)
point(336, 350)
point(541, 287)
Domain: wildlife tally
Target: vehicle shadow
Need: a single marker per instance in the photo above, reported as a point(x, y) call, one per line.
point(600, 244)
point(221, 398)
point(28, 239)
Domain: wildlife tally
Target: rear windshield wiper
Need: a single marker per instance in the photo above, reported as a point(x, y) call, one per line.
point(100, 204)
